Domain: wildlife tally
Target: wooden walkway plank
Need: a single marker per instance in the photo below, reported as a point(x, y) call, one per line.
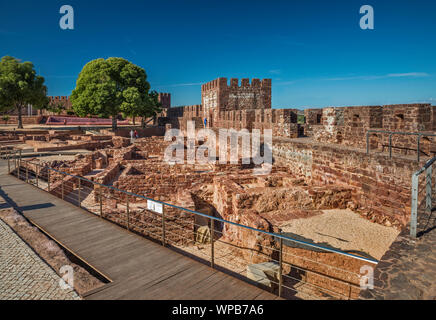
point(138, 267)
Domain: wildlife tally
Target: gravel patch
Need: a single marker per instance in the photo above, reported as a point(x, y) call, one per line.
point(345, 230)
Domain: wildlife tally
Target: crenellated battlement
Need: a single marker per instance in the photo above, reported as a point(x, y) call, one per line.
point(223, 83)
point(59, 98)
point(219, 94)
point(165, 99)
point(186, 111)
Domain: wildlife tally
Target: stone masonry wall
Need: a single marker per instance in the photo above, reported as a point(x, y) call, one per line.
point(381, 186)
point(217, 94)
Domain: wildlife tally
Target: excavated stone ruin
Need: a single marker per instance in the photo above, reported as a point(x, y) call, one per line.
point(230, 192)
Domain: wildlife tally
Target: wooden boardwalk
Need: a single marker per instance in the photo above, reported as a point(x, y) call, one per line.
point(138, 268)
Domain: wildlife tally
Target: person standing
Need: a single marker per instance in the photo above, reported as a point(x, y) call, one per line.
point(131, 136)
point(205, 122)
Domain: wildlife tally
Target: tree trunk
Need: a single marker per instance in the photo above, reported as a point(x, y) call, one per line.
point(143, 122)
point(20, 118)
point(114, 123)
point(134, 120)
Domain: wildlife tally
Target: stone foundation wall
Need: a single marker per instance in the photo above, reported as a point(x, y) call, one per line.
point(160, 182)
point(381, 186)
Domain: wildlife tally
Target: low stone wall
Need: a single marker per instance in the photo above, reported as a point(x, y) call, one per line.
point(24, 119)
point(296, 156)
point(160, 185)
point(108, 175)
point(68, 186)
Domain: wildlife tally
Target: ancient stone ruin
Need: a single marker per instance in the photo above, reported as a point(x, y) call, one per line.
point(320, 165)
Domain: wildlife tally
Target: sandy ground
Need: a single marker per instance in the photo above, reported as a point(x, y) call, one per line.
point(11, 127)
point(344, 230)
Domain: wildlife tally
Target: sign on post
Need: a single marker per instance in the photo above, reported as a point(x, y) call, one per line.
point(154, 206)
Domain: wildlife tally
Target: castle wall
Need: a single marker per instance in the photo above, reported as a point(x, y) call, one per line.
point(349, 126)
point(164, 99)
point(380, 185)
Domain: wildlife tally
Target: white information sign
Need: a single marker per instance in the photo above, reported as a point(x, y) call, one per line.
point(154, 206)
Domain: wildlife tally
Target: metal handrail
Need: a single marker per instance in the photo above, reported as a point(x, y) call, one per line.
point(391, 133)
point(428, 193)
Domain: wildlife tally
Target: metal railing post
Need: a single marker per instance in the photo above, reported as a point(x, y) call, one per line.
point(128, 212)
point(101, 201)
point(414, 214)
point(428, 202)
point(78, 193)
point(212, 245)
point(163, 225)
point(37, 175)
point(367, 142)
point(48, 179)
point(390, 145)
point(281, 267)
point(9, 162)
point(62, 187)
point(19, 164)
point(27, 172)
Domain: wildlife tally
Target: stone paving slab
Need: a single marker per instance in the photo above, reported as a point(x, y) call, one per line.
point(407, 271)
point(24, 275)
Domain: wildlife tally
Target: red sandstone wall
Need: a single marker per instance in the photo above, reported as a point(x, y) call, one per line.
point(218, 95)
point(381, 186)
point(25, 119)
point(349, 125)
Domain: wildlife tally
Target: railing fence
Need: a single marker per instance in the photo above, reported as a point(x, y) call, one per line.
point(392, 133)
point(428, 169)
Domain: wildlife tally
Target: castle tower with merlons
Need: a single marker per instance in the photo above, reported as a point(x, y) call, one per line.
point(218, 95)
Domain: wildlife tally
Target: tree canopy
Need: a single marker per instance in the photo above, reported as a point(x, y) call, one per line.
point(143, 108)
point(151, 108)
point(20, 86)
point(109, 87)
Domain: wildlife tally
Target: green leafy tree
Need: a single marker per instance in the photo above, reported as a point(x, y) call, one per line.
point(20, 86)
point(136, 106)
point(5, 118)
point(106, 88)
point(151, 108)
point(56, 107)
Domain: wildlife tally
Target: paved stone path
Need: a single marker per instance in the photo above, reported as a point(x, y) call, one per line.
point(24, 275)
point(408, 269)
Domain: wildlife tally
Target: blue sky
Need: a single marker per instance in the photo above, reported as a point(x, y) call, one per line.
point(314, 51)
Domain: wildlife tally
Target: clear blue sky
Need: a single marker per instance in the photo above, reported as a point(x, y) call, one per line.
point(314, 51)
